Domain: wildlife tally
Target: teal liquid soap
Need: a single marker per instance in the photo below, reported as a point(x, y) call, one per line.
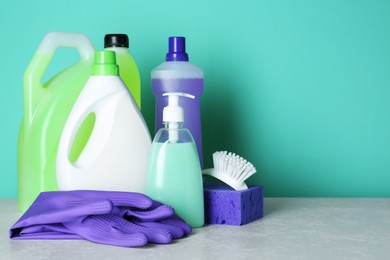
point(174, 178)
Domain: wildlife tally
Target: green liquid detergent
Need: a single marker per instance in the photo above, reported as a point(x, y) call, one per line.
point(46, 109)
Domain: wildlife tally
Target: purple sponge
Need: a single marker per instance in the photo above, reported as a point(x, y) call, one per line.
point(224, 205)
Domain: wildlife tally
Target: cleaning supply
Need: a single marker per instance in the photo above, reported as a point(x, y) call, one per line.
point(231, 169)
point(46, 108)
point(177, 74)
point(174, 174)
point(128, 70)
point(113, 218)
point(115, 157)
point(223, 205)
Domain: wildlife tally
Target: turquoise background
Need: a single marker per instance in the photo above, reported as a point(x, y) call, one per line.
point(300, 88)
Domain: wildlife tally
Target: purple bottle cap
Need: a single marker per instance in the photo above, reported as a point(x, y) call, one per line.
point(177, 49)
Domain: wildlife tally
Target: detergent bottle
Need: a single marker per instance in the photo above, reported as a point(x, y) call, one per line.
point(115, 156)
point(177, 74)
point(174, 174)
point(128, 70)
point(46, 108)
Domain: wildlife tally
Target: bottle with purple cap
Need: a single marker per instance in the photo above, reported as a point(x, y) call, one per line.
point(177, 74)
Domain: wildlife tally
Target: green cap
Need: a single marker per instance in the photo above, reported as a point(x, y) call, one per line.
point(105, 63)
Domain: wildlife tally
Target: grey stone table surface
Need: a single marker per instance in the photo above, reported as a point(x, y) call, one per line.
point(292, 228)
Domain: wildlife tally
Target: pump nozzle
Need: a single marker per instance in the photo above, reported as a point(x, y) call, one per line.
point(173, 114)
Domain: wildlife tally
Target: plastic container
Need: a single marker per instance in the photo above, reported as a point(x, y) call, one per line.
point(115, 157)
point(128, 70)
point(46, 108)
point(179, 75)
point(174, 174)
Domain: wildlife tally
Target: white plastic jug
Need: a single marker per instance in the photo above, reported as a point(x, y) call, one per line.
point(115, 157)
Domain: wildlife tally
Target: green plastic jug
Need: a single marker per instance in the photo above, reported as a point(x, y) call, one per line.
point(46, 109)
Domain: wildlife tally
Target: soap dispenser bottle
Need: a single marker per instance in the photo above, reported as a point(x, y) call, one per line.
point(174, 173)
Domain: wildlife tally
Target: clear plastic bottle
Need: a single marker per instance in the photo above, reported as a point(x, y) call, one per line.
point(177, 74)
point(128, 70)
point(46, 109)
point(174, 174)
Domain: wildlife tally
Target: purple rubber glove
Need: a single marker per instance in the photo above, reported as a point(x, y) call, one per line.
point(176, 226)
point(99, 216)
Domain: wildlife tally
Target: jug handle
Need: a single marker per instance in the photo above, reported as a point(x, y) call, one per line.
point(33, 88)
point(104, 112)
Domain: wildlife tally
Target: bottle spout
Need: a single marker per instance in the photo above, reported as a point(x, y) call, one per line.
point(177, 49)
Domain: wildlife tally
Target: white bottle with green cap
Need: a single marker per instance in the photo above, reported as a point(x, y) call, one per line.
point(116, 154)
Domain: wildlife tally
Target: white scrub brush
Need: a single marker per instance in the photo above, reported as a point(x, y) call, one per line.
point(231, 169)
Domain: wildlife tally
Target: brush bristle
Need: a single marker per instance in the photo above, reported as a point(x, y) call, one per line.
point(233, 165)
